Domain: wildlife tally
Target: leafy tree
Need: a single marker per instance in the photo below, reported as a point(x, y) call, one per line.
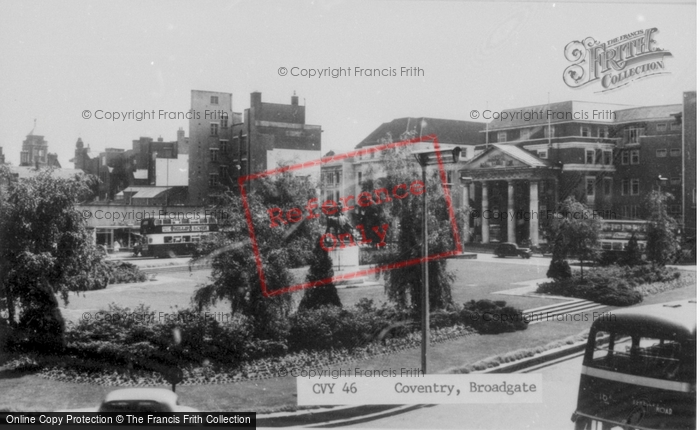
point(122, 175)
point(575, 232)
point(235, 274)
point(322, 295)
point(373, 215)
point(662, 241)
point(45, 249)
point(404, 284)
point(633, 254)
point(559, 270)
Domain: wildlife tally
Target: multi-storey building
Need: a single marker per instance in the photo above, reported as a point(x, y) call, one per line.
point(35, 151)
point(134, 173)
point(349, 176)
point(606, 156)
point(226, 145)
point(520, 166)
point(689, 156)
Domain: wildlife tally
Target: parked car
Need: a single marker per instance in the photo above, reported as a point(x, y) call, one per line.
point(139, 400)
point(508, 249)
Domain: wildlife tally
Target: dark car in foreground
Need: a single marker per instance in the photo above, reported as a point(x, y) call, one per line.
point(138, 400)
point(508, 249)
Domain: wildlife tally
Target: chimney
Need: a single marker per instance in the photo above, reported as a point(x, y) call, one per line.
point(255, 99)
point(295, 99)
point(160, 139)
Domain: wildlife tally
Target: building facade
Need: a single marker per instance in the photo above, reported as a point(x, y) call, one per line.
point(606, 156)
point(225, 145)
point(518, 168)
point(149, 163)
point(35, 152)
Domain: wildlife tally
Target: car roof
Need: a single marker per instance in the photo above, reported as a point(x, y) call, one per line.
point(161, 395)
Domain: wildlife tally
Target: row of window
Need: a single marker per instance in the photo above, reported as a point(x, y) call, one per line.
point(605, 156)
point(550, 131)
point(183, 239)
point(216, 178)
point(631, 135)
point(222, 149)
point(331, 178)
point(173, 221)
point(629, 157)
point(630, 187)
point(214, 127)
point(597, 156)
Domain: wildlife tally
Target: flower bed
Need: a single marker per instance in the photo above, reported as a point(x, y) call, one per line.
point(614, 285)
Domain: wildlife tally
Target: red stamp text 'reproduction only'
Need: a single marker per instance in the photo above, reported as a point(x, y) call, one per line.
point(314, 208)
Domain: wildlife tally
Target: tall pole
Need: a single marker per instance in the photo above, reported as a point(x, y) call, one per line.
point(425, 312)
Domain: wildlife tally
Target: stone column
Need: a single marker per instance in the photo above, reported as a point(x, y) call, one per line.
point(484, 208)
point(534, 213)
point(511, 212)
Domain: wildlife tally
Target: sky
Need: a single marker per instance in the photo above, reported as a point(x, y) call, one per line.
point(62, 58)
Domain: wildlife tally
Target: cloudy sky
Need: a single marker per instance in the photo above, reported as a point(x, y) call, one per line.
point(59, 59)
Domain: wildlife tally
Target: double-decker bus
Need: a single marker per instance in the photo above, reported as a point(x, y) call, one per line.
point(615, 234)
point(169, 237)
point(639, 370)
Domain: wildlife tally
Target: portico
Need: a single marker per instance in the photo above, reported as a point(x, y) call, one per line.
point(511, 189)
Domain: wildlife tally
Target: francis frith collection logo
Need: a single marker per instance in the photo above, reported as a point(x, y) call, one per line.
point(615, 63)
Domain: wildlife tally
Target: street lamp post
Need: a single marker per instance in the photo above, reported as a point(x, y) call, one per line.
point(427, 158)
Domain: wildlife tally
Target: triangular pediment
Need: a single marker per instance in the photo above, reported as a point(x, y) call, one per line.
point(494, 158)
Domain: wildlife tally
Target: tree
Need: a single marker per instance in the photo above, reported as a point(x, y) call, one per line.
point(235, 274)
point(403, 285)
point(122, 175)
point(575, 231)
point(322, 295)
point(662, 240)
point(45, 249)
point(633, 254)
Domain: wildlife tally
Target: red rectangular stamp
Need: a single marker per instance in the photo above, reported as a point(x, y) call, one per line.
point(334, 209)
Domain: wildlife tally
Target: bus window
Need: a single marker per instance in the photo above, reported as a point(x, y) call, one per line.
point(176, 221)
point(157, 222)
point(167, 221)
point(617, 246)
point(186, 221)
point(168, 239)
point(177, 239)
point(649, 357)
point(150, 240)
point(185, 238)
point(606, 246)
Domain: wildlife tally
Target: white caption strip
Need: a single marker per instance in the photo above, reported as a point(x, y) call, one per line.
point(430, 389)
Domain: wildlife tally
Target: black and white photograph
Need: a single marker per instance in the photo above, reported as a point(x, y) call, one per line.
point(395, 214)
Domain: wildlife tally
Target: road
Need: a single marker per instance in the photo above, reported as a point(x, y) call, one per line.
point(560, 383)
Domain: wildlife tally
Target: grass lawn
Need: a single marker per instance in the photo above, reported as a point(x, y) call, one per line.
point(475, 280)
point(27, 392)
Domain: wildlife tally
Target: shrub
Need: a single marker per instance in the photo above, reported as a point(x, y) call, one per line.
point(123, 272)
point(608, 258)
point(443, 318)
point(559, 270)
point(614, 292)
point(489, 317)
point(330, 327)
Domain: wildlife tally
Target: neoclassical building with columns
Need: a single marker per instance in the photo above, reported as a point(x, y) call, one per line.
point(516, 168)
